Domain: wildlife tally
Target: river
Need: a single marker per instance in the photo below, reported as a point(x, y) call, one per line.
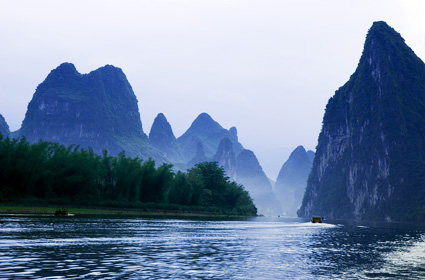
point(45, 247)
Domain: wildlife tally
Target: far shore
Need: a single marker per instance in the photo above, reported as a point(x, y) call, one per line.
point(73, 211)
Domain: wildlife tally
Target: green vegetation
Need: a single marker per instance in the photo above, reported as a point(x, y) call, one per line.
point(51, 173)
point(183, 211)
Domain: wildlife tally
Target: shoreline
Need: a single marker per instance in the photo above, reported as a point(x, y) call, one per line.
point(81, 211)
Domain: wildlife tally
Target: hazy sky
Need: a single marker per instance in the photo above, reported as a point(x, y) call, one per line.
point(266, 67)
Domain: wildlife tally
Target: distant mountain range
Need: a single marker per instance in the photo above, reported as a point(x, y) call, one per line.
point(207, 140)
point(99, 111)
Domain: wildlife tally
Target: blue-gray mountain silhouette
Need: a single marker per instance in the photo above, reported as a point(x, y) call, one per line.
point(162, 137)
point(250, 174)
point(292, 180)
point(210, 133)
point(97, 110)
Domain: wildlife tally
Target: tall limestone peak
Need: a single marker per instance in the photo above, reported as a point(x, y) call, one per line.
point(210, 133)
point(292, 180)
point(4, 128)
point(225, 157)
point(97, 110)
point(369, 160)
point(250, 174)
point(162, 137)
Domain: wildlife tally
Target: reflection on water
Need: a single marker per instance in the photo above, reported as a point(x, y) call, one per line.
point(260, 248)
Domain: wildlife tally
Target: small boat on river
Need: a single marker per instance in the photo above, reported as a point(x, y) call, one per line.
point(61, 212)
point(317, 219)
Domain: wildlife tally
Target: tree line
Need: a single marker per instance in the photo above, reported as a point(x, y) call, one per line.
point(48, 172)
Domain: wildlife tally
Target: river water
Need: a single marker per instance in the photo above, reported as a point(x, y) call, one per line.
point(43, 247)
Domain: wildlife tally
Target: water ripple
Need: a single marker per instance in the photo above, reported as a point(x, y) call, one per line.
point(111, 248)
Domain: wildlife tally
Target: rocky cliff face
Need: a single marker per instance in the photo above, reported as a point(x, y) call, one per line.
point(4, 128)
point(199, 157)
point(162, 137)
point(370, 156)
point(292, 180)
point(210, 133)
point(250, 174)
point(97, 110)
point(225, 157)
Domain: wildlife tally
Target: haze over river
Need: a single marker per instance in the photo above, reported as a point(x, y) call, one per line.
point(111, 247)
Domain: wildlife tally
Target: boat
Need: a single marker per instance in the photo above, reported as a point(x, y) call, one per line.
point(61, 212)
point(317, 219)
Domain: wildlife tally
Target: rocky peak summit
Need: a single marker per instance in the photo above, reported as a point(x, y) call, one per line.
point(385, 53)
point(233, 133)
point(204, 122)
point(162, 137)
point(161, 130)
point(65, 69)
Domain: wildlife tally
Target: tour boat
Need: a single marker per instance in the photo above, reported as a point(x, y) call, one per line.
point(317, 219)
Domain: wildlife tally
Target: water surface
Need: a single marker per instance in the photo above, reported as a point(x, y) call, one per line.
point(34, 247)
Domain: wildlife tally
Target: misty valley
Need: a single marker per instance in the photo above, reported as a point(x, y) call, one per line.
point(200, 206)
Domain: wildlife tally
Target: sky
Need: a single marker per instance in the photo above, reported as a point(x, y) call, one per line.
point(267, 67)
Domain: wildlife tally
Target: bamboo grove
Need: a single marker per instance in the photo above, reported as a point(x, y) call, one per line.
point(48, 172)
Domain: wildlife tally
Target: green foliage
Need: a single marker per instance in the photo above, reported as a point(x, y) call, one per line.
point(207, 186)
point(50, 172)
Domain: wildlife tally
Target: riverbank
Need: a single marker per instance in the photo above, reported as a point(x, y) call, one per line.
point(7, 209)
